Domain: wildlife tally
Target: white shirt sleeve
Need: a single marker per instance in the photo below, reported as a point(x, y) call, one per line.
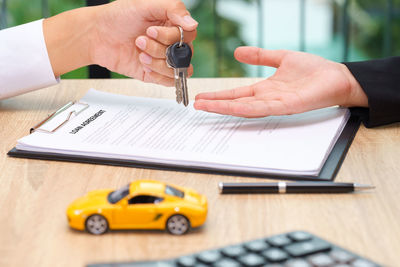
point(24, 62)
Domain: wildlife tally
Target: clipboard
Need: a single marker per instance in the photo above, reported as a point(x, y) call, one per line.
point(327, 173)
point(74, 112)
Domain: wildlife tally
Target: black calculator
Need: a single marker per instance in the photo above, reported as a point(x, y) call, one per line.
point(294, 249)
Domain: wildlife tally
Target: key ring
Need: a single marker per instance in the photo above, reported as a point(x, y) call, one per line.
point(181, 31)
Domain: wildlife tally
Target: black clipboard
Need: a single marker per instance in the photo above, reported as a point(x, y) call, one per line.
point(327, 173)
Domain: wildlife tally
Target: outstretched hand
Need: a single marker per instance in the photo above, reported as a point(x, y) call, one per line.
point(302, 82)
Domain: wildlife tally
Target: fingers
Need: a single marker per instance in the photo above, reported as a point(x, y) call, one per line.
point(156, 65)
point(152, 47)
point(172, 10)
point(247, 108)
point(170, 35)
point(179, 15)
point(245, 91)
point(154, 77)
point(258, 56)
point(159, 65)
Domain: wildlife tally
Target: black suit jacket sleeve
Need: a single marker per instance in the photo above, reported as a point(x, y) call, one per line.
point(380, 80)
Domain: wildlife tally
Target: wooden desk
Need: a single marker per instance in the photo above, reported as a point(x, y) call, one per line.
point(34, 194)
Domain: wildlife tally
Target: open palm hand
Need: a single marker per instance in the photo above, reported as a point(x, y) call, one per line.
point(302, 82)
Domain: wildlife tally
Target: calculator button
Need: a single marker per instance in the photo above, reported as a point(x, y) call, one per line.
point(299, 236)
point(297, 263)
point(341, 256)
point(321, 260)
point(256, 246)
point(186, 261)
point(227, 263)
point(199, 264)
point(307, 248)
point(142, 264)
point(279, 240)
point(209, 257)
point(165, 264)
point(275, 255)
point(362, 263)
point(234, 251)
point(252, 260)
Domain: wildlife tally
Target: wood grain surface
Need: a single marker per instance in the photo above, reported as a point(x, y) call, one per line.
point(34, 194)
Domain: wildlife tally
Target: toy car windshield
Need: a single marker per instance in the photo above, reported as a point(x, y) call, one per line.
point(169, 190)
point(119, 194)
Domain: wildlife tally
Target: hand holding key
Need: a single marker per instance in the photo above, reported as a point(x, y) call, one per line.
point(153, 48)
point(106, 35)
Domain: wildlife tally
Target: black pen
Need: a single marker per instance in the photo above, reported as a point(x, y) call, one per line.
point(291, 187)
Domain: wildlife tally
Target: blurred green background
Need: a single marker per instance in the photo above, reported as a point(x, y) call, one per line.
point(340, 30)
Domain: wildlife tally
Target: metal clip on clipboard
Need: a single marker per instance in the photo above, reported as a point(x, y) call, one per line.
point(58, 112)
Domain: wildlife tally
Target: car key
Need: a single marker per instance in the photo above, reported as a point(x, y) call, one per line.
point(178, 57)
point(178, 88)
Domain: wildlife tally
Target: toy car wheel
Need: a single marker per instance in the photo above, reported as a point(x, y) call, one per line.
point(178, 224)
point(96, 224)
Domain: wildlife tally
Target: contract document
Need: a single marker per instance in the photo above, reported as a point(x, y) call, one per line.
point(149, 130)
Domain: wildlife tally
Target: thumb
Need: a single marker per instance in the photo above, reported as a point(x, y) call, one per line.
point(179, 15)
point(259, 56)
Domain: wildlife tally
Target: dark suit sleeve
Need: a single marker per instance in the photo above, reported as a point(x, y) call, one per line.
point(380, 80)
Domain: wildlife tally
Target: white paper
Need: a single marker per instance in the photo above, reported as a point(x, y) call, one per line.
point(161, 131)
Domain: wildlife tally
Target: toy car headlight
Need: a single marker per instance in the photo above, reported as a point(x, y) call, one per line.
point(77, 212)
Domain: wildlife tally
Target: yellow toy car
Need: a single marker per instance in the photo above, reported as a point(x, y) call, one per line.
point(141, 204)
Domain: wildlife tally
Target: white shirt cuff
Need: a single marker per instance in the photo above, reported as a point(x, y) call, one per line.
point(24, 62)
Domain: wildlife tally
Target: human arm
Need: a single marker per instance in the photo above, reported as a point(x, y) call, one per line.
point(126, 36)
point(24, 63)
point(380, 80)
point(111, 36)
